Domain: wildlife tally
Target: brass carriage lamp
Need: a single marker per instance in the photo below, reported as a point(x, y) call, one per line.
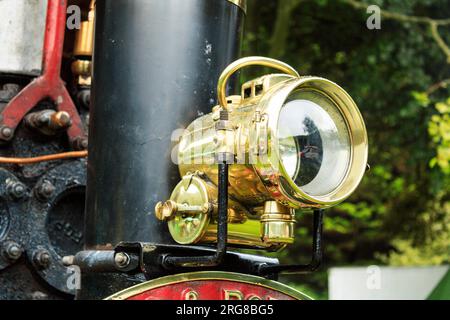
point(292, 142)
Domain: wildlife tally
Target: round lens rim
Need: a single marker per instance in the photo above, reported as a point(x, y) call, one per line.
point(279, 184)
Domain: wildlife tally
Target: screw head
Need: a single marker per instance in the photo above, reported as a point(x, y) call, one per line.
point(42, 258)
point(12, 250)
point(122, 260)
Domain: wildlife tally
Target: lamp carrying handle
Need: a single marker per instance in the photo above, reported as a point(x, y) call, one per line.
point(245, 62)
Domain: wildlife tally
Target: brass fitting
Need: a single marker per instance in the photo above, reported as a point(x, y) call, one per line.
point(167, 210)
point(224, 139)
point(83, 48)
point(84, 38)
point(277, 223)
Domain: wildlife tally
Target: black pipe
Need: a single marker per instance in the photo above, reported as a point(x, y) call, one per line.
point(317, 253)
point(222, 231)
point(94, 261)
point(156, 66)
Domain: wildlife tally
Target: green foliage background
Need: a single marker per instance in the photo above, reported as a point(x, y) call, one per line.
point(399, 77)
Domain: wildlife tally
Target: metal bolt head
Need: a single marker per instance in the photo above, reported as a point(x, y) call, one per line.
point(84, 143)
point(122, 260)
point(45, 190)
point(19, 190)
point(12, 250)
point(15, 189)
point(61, 119)
point(42, 258)
point(6, 133)
point(80, 143)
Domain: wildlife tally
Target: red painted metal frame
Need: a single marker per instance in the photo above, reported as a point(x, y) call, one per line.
point(49, 84)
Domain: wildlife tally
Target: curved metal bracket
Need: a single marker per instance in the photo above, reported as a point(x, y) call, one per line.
point(245, 62)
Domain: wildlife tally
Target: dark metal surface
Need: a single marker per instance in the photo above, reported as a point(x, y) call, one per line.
point(41, 215)
point(156, 67)
point(317, 253)
point(97, 286)
point(11, 211)
point(38, 228)
point(20, 283)
point(56, 221)
point(101, 277)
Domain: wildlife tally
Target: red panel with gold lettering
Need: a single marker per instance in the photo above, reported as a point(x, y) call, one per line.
point(210, 285)
point(211, 290)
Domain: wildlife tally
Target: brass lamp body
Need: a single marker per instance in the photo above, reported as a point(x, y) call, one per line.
point(262, 197)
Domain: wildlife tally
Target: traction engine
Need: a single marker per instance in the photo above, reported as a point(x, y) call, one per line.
point(136, 165)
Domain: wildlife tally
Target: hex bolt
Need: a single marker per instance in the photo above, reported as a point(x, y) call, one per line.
point(15, 189)
point(12, 250)
point(122, 260)
point(42, 258)
point(45, 190)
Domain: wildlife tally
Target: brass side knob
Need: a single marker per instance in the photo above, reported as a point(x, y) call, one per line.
point(165, 210)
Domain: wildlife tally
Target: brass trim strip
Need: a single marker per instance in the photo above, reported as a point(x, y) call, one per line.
point(208, 275)
point(240, 3)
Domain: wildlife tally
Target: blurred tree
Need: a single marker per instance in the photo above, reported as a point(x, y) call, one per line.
point(399, 76)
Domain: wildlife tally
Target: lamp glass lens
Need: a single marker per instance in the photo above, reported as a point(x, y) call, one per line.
point(313, 142)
